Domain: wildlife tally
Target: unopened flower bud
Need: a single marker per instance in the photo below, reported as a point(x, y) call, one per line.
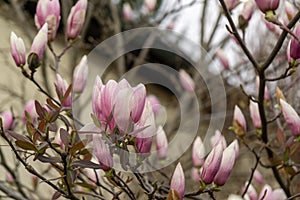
point(223, 58)
point(231, 4)
point(17, 49)
point(7, 119)
point(161, 143)
point(178, 181)
point(150, 4)
point(76, 19)
point(39, 45)
point(239, 122)
point(80, 75)
point(254, 114)
point(198, 152)
point(291, 117)
point(186, 81)
point(295, 45)
point(127, 11)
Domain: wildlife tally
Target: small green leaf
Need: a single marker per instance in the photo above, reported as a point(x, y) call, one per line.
point(25, 145)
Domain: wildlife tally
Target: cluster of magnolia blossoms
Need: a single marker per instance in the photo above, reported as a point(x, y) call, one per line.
point(217, 166)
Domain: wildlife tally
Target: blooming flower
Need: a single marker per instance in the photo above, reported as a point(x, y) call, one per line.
point(48, 11)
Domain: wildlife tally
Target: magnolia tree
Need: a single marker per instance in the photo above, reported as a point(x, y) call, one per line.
point(102, 159)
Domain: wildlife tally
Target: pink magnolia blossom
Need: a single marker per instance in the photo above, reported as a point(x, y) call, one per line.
point(155, 104)
point(212, 164)
point(178, 181)
point(127, 11)
point(76, 19)
point(254, 114)
point(251, 192)
point(267, 5)
point(40, 41)
point(102, 152)
point(231, 4)
point(150, 4)
point(147, 124)
point(195, 174)
point(198, 152)
point(17, 49)
point(7, 119)
point(295, 45)
point(48, 11)
point(80, 75)
point(239, 122)
point(248, 10)
point(161, 143)
point(30, 109)
point(61, 86)
point(226, 166)
point(223, 58)
point(291, 117)
point(258, 177)
point(186, 81)
point(218, 138)
point(235, 146)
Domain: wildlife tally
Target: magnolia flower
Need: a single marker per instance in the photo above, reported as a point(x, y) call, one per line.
point(294, 48)
point(155, 104)
point(144, 137)
point(17, 49)
point(212, 164)
point(223, 58)
point(251, 192)
point(76, 19)
point(254, 114)
point(39, 42)
point(61, 86)
point(7, 119)
point(178, 181)
point(30, 109)
point(48, 11)
point(231, 4)
point(239, 122)
point(267, 5)
point(80, 75)
point(161, 143)
point(235, 146)
point(218, 138)
point(258, 177)
point(226, 166)
point(127, 11)
point(102, 152)
point(291, 117)
point(248, 10)
point(186, 81)
point(150, 4)
point(198, 152)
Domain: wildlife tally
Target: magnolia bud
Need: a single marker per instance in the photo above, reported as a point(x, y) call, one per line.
point(161, 143)
point(150, 4)
point(239, 122)
point(154, 103)
point(178, 181)
point(80, 75)
point(17, 49)
point(254, 113)
point(231, 4)
point(39, 43)
point(198, 152)
point(212, 164)
point(76, 19)
point(258, 177)
point(127, 11)
point(48, 11)
point(186, 81)
point(226, 166)
point(223, 58)
point(102, 152)
point(7, 119)
point(248, 10)
point(291, 117)
point(295, 45)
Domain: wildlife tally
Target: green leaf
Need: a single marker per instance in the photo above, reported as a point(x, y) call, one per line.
point(25, 145)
